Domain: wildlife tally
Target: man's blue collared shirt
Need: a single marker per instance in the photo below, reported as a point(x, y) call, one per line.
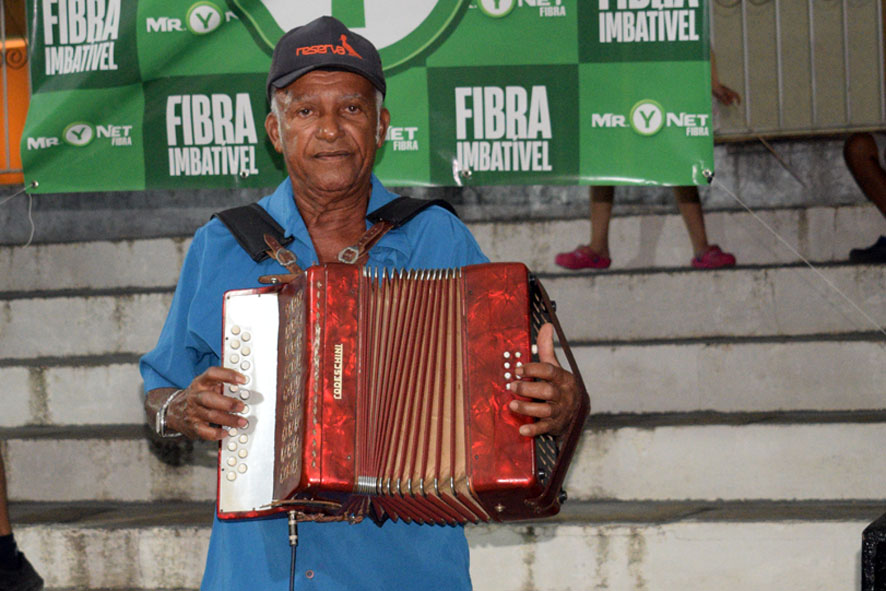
point(255, 554)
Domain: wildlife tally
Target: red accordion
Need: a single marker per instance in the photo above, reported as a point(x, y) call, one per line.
point(385, 396)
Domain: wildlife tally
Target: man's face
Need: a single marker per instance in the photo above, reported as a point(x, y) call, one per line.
point(328, 132)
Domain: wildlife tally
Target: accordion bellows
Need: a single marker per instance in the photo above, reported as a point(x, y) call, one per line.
point(386, 396)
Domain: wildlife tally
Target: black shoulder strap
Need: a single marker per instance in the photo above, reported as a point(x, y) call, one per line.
point(401, 210)
point(249, 224)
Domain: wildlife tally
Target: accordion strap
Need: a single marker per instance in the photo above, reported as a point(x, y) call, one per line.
point(384, 219)
point(262, 237)
point(249, 224)
point(569, 441)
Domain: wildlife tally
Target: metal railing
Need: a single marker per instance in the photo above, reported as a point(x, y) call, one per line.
point(802, 66)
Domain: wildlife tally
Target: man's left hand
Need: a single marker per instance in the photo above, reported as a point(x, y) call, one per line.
point(554, 390)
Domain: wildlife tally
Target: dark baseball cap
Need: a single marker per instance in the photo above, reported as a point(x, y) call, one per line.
point(323, 43)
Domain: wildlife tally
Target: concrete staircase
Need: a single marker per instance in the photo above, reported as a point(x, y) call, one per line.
point(736, 440)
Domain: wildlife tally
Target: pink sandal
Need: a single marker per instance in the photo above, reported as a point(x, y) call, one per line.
point(583, 257)
point(714, 258)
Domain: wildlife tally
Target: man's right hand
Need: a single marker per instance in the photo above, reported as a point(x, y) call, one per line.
point(201, 409)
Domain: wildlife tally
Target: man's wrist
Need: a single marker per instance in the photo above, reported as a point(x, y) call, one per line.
point(160, 426)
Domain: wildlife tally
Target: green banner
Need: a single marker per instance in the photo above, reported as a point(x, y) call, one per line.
point(164, 94)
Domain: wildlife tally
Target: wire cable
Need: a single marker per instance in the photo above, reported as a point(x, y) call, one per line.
point(790, 247)
point(33, 185)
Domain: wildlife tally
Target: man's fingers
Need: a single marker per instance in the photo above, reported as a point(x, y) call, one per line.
point(542, 390)
point(545, 342)
point(215, 376)
point(539, 410)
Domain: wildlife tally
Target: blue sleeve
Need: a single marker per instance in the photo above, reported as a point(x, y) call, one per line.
point(179, 355)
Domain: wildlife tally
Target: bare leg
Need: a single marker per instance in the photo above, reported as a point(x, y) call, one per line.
point(689, 205)
point(860, 153)
point(601, 214)
point(5, 527)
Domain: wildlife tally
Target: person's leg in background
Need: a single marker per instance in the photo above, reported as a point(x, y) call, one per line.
point(596, 255)
point(16, 573)
point(705, 255)
point(863, 160)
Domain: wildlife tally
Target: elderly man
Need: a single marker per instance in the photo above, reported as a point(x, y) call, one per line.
point(328, 122)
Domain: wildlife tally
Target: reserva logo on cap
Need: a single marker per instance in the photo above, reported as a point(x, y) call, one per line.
point(343, 49)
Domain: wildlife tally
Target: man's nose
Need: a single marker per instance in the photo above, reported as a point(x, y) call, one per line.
point(329, 127)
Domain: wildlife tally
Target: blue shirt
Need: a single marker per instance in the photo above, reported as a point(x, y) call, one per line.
point(255, 554)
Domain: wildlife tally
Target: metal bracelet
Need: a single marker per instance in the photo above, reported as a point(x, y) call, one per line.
point(160, 420)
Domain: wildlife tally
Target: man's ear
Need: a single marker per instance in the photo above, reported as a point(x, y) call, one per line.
point(272, 128)
point(383, 121)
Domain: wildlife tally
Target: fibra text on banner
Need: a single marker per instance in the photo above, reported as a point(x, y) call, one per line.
point(402, 138)
point(640, 21)
point(80, 36)
point(218, 135)
point(501, 8)
point(510, 127)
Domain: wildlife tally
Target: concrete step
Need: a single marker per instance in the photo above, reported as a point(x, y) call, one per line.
point(652, 240)
point(822, 234)
point(661, 457)
point(651, 546)
point(745, 302)
point(735, 376)
point(619, 307)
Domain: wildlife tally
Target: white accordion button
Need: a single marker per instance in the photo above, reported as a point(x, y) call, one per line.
point(232, 431)
point(232, 446)
point(244, 438)
point(233, 388)
point(246, 351)
point(235, 344)
point(507, 365)
point(235, 329)
point(242, 453)
point(231, 476)
point(518, 355)
point(245, 365)
point(244, 395)
point(507, 375)
point(535, 349)
point(232, 461)
point(245, 409)
point(507, 354)
point(246, 336)
point(241, 468)
point(234, 358)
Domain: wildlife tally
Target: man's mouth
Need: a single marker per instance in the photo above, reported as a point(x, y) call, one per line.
point(332, 154)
